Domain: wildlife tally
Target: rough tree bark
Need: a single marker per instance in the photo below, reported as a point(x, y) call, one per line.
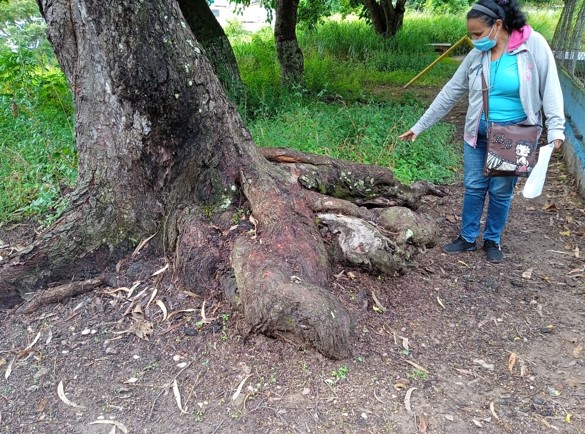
point(163, 151)
point(387, 17)
point(213, 39)
point(289, 53)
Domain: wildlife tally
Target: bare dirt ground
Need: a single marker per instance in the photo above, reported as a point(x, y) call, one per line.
point(459, 345)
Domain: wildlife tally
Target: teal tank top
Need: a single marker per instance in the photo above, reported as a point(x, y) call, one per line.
point(505, 104)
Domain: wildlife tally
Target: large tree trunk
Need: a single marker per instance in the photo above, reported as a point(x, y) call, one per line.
point(387, 17)
point(290, 56)
point(213, 39)
point(163, 152)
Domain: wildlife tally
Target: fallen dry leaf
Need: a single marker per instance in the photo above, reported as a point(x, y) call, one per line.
point(35, 340)
point(493, 410)
point(378, 304)
point(9, 369)
point(417, 366)
point(162, 270)
point(41, 405)
point(204, 318)
point(62, 397)
point(176, 312)
point(407, 400)
point(141, 328)
point(405, 343)
point(133, 288)
point(239, 389)
point(399, 386)
point(154, 292)
point(178, 396)
point(137, 312)
point(117, 424)
point(523, 368)
point(550, 207)
point(163, 308)
point(552, 391)
point(512, 362)
point(484, 364)
point(141, 244)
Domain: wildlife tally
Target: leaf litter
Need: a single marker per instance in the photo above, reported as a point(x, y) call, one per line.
point(452, 296)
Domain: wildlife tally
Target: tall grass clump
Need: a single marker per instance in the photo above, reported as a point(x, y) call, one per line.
point(365, 133)
point(343, 57)
point(36, 121)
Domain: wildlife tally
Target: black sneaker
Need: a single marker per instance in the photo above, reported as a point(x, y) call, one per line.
point(493, 251)
point(459, 245)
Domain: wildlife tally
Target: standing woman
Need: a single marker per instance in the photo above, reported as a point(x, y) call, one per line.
point(523, 85)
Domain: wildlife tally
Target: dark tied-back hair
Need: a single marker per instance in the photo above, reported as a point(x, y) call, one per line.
point(489, 11)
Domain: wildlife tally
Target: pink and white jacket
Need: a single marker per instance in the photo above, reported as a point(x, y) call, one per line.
point(540, 89)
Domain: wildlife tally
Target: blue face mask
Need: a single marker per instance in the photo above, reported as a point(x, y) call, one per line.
point(485, 43)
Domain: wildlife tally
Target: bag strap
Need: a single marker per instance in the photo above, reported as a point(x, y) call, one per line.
point(484, 93)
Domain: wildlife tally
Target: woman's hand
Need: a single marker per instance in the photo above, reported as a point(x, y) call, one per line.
point(558, 143)
point(409, 135)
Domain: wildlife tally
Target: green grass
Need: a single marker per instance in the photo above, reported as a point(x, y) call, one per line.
point(36, 136)
point(366, 133)
point(347, 58)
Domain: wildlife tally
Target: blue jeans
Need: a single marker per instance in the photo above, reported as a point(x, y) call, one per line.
point(499, 188)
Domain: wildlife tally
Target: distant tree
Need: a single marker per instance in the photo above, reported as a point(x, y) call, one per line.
point(21, 26)
point(311, 12)
point(290, 56)
point(213, 39)
point(447, 6)
point(386, 16)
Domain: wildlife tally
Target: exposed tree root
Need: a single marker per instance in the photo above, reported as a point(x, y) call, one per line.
point(362, 184)
point(362, 244)
point(58, 294)
point(276, 301)
point(172, 159)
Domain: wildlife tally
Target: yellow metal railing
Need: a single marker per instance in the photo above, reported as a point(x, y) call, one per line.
point(441, 57)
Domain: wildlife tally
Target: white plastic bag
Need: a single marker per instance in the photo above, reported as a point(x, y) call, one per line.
point(535, 180)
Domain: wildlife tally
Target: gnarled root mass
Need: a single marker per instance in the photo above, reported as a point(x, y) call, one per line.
point(282, 271)
point(306, 213)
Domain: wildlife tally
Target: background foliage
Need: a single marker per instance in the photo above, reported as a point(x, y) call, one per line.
point(351, 105)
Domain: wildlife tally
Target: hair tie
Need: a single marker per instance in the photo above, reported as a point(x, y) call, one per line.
point(486, 11)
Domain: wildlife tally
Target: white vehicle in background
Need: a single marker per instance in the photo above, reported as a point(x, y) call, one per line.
point(252, 18)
